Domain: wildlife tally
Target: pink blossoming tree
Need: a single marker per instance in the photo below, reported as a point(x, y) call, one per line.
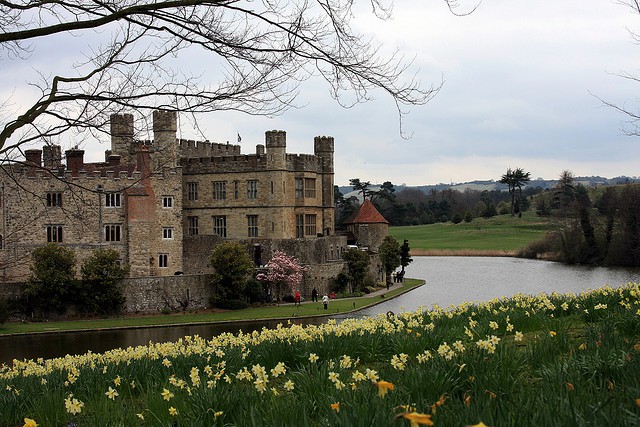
point(284, 273)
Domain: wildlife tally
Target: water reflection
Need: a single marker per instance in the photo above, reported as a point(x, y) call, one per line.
point(449, 280)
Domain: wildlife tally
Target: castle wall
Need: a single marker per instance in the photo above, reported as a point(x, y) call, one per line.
point(154, 238)
point(154, 294)
point(26, 214)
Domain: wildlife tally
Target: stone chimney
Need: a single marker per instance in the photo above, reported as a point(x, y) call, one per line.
point(34, 160)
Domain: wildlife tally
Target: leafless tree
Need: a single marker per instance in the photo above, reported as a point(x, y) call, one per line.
point(631, 126)
point(262, 50)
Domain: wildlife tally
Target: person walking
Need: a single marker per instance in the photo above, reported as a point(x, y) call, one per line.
point(325, 301)
point(314, 295)
point(297, 298)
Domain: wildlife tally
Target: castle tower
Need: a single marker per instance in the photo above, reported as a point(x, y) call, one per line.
point(276, 144)
point(368, 226)
point(122, 136)
point(323, 148)
point(165, 128)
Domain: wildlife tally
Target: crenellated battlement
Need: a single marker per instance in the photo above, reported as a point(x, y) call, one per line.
point(275, 138)
point(323, 144)
point(223, 164)
point(196, 149)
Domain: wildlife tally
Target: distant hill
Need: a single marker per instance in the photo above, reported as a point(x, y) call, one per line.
point(587, 181)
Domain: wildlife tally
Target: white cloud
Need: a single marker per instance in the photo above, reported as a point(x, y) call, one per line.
point(518, 83)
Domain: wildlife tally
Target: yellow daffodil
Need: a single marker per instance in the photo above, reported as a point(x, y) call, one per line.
point(73, 405)
point(480, 424)
point(288, 385)
point(335, 406)
point(417, 419)
point(166, 394)
point(384, 387)
point(313, 358)
point(28, 422)
point(553, 333)
point(111, 393)
point(173, 411)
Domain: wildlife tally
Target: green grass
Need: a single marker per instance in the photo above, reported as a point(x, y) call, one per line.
point(500, 233)
point(282, 311)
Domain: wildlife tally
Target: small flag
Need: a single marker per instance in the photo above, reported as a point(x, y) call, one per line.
point(239, 138)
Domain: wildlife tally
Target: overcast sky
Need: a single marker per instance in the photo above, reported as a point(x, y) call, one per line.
point(521, 81)
point(521, 85)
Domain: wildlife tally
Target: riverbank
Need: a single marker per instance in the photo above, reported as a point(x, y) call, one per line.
point(267, 312)
point(462, 252)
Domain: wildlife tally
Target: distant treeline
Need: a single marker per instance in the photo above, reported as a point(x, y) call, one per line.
point(411, 206)
point(588, 225)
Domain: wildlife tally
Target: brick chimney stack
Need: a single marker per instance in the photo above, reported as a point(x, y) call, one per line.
point(75, 160)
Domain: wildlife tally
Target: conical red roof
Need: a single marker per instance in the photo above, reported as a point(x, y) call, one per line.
point(368, 214)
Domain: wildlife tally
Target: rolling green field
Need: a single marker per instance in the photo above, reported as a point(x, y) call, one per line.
point(500, 233)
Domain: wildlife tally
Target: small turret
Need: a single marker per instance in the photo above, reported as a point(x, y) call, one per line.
point(122, 135)
point(276, 144)
point(165, 128)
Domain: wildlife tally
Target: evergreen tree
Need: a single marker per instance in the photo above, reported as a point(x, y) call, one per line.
point(233, 266)
point(389, 256)
point(405, 256)
point(52, 285)
point(101, 275)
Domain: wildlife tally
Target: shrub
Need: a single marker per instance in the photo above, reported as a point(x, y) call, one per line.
point(468, 217)
point(457, 218)
point(288, 298)
point(539, 248)
point(340, 282)
point(254, 291)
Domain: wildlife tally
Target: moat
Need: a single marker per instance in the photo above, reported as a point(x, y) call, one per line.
point(449, 280)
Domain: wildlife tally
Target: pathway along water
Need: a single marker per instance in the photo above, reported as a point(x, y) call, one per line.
point(449, 280)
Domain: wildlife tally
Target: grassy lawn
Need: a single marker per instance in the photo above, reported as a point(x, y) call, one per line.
point(283, 311)
point(500, 233)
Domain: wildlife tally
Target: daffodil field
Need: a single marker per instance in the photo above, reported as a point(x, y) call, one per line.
point(541, 360)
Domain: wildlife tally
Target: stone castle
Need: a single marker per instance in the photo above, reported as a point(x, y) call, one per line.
point(163, 204)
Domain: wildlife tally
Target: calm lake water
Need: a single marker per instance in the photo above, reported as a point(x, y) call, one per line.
point(449, 280)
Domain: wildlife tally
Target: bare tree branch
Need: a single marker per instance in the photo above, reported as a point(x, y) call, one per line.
point(263, 51)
